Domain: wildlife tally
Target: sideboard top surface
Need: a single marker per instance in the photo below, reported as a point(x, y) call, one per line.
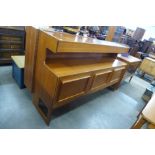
point(62, 36)
point(65, 67)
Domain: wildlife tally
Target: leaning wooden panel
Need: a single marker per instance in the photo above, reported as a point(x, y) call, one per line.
point(32, 35)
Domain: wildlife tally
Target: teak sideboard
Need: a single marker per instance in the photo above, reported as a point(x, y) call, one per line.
point(66, 67)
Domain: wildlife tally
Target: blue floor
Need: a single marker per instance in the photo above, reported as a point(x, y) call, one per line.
point(105, 109)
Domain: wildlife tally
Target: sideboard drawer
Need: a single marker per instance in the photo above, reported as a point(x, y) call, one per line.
point(72, 87)
point(101, 79)
point(117, 73)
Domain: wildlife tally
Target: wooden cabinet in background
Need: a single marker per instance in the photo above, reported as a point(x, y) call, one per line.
point(12, 42)
point(132, 64)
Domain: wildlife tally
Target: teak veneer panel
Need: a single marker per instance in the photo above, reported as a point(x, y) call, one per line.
point(65, 67)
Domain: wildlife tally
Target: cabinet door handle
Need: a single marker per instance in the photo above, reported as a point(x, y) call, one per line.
point(74, 79)
point(106, 72)
point(118, 69)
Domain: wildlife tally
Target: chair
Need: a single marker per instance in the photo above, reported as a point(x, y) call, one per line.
point(146, 116)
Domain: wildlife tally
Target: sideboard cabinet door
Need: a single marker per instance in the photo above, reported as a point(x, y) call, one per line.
point(101, 79)
point(72, 87)
point(117, 73)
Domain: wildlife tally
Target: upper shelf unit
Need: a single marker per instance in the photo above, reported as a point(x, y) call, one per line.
point(64, 42)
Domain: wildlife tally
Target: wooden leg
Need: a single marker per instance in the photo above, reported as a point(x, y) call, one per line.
point(115, 86)
point(142, 110)
point(130, 78)
point(139, 123)
point(46, 115)
point(49, 116)
point(143, 74)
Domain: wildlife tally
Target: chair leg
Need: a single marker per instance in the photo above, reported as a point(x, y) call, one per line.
point(130, 78)
point(139, 123)
point(143, 74)
point(48, 118)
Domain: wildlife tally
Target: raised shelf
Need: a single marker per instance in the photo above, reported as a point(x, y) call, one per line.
point(65, 67)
